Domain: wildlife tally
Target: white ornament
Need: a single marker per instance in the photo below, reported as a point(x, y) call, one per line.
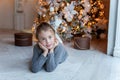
point(57, 22)
point(51, 9)
point(69, 12)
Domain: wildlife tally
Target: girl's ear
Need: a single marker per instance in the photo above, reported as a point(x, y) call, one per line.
point(56, 38)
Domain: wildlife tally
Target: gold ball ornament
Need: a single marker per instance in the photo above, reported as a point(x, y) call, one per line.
point(44, 10)
point(65, 24)
point(44, 15)
point(56, 9)
point(89, 24)
point(101, 13)
point(103, 36)
point(95, 9)
point(101, 6)
point(93, 15)
point(99, 2)
point(79, 17)
point(81, 11)
point(62, 4)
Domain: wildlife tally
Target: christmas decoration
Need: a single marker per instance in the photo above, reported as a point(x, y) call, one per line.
point(72, 17)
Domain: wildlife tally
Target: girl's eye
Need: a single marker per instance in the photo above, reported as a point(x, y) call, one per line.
point(43, 39)
point(50, 37)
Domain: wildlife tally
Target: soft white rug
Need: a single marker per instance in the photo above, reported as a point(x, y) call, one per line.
point(80, 64)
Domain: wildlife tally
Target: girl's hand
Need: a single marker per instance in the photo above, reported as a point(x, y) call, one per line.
point(56, 43)
point(44, 49)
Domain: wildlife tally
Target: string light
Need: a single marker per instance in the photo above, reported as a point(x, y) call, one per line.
point(80, 21)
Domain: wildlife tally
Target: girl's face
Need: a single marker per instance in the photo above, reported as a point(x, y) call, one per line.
point(47, 38)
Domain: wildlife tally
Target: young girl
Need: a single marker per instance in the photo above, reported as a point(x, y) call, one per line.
point(48, 52)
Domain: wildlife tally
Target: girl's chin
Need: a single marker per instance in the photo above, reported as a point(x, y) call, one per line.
point(49, 47)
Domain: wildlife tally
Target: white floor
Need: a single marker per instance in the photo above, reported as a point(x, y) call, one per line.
point(90, 64)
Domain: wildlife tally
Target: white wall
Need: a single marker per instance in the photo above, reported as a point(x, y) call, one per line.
point(117, 35)
point(112, 26)
point(30, 13)
point(24, 19)
point(6, 14)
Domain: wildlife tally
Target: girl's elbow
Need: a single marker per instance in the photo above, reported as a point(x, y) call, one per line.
point(35, 70)
point(50, 69)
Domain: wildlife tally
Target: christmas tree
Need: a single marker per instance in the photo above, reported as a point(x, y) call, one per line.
point(72, 17)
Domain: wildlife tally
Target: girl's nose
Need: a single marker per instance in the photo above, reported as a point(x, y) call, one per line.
point(47, 40)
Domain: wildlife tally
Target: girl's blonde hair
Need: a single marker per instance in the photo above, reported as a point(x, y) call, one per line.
point(44, 26)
